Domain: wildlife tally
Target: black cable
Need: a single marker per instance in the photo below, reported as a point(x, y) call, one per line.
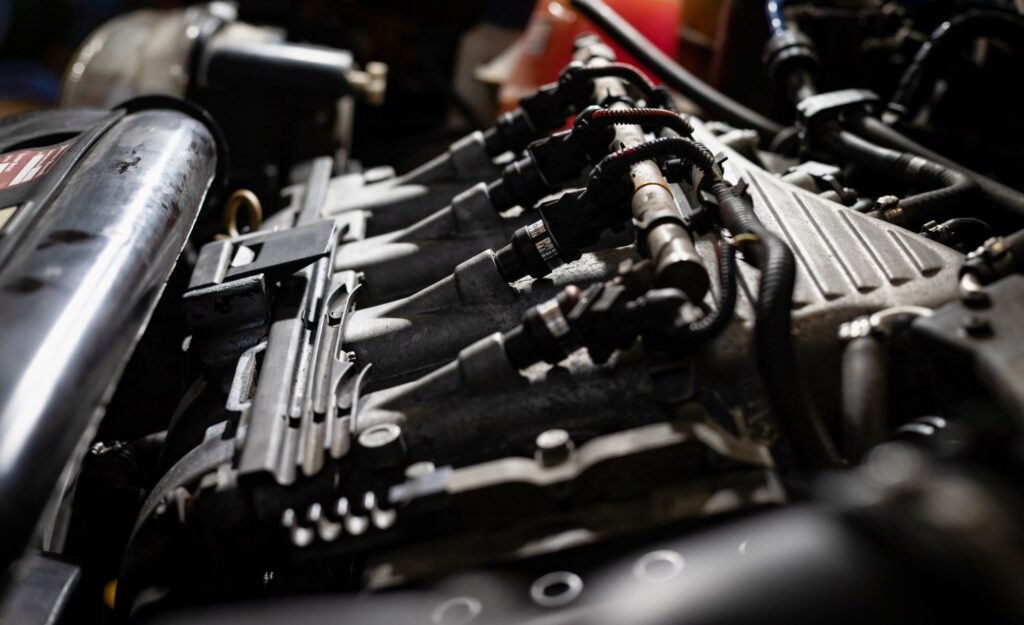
point(708, 326)
point(772, 334)
point(970, 228)
point(615, 165)
point(998, 194)
point(642, 117)
point(950, 35)
point(948, 189)
point(674, 75)
point(623, 71)
point(798, 83)
point(964, 233)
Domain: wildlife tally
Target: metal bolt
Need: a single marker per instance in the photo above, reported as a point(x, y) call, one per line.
point(313, 513)
point(382, 444)
point(302, 536)
point(972, 292)
point(887, 201)
point(553, 447)
point(888, 209)
point(371, 82)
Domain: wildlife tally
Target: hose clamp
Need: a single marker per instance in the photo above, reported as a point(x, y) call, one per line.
point(914, 166)
point(881, 323)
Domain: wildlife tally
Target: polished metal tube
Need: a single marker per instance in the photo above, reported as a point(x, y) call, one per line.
point(77, 287)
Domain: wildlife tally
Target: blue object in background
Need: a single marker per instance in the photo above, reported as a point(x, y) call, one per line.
point(27, 80)
point(90, 14)
point(35, 38)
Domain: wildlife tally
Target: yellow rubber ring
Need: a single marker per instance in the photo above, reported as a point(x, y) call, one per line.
point(746, 237)
point(110, 593)
point(652, 182)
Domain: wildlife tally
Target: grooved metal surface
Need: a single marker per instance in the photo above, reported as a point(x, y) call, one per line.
point(839, 252)
point(848, 265)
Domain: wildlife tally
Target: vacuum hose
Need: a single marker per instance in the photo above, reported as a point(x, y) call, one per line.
point(947, 189)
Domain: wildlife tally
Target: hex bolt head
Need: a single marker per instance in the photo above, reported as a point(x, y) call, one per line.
point(382, 445)
point(553, 447)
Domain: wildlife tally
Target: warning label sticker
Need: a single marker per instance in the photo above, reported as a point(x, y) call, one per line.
point(25, 165)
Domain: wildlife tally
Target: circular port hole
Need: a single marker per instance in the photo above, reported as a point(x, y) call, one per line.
point(457, 611)
point(556, 589)
point(658, 566)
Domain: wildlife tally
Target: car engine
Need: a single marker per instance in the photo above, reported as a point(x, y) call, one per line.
point(644, 349)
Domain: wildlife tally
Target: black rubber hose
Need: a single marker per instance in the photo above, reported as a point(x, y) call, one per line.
point(716, 103)
point(865, 396)
point(623, 71)
point(776, 360)
point(642, 117)
point(949, 36)
point(708, 326)
point(800, 85)
point(952, 191)
point(996, 193)
point(948, 189)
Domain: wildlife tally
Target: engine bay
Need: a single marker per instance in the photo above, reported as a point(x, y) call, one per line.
point(657, 344)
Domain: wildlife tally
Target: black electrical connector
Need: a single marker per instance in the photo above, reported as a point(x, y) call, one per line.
point(997, 258)
point(550, 106)
point(603, 318)
point(576, 219)
point(562, 157)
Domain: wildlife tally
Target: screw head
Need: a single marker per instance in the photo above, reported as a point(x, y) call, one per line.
point(553, 447)
point(382, 444)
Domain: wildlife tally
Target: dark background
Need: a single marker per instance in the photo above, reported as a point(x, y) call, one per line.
point(417, 39)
